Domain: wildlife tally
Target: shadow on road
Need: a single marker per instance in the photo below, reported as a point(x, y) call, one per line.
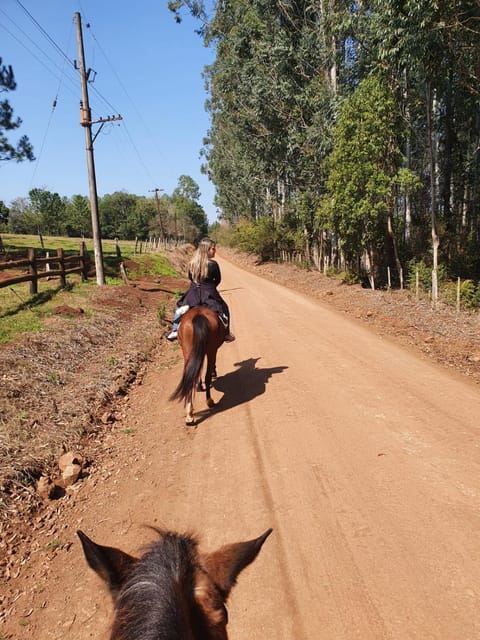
point(240, 386)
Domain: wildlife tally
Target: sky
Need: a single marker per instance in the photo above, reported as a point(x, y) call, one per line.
point(146, 68)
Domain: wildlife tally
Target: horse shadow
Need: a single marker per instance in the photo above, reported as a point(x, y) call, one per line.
point(243, 384)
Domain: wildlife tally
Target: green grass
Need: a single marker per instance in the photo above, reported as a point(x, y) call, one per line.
point(20, 312)
point(154, 264)
point(13, 242)
point(151, 264)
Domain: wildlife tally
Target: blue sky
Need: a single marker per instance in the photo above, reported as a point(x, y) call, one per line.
point(148, 70)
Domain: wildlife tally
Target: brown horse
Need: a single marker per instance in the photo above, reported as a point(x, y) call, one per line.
point(200, 334)
point(173, 592)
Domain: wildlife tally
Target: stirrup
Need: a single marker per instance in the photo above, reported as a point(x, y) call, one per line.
point(223, 321)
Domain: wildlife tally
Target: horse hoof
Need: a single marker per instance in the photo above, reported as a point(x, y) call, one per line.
point(210, 403)
point(189, 422)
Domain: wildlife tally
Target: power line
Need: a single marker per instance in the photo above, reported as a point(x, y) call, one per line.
point(47, 36)
point(119, 80)
point(43, 143)
point(32, 53)
point(128, 135)
point(51, 116)
point(57, 48)
point(138, 154)
point(73, 67)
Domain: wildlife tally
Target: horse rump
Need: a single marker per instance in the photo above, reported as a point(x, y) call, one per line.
point(194, 345)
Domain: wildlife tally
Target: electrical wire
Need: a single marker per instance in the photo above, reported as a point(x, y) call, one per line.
point(32, 53)
point(45, 34)
point(147, 171)
point(93, 89)
point(57, 48)
point(54, 104)
point(139, 115)
point(37, 162)
point(112, 69)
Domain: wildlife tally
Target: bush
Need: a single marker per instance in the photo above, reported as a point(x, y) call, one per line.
point(469, 294)
point(348, 277)
point(257, 237)
point(424, 275)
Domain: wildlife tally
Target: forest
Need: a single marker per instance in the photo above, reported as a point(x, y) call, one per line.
point(177, 216)
point(347, 131)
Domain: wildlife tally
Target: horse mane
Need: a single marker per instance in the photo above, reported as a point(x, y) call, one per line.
point(172, 592)
point(155, 601)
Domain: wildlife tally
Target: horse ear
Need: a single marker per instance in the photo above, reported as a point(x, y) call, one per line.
point(225, 565)
point(112, 565)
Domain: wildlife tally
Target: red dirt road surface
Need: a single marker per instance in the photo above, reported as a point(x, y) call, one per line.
point(362, 456)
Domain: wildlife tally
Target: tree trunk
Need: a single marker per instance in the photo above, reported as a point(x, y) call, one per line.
point(370, 267)
point(433, 191)
point(393, 240)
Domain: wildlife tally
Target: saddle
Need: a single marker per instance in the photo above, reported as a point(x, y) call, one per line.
point(184, 308)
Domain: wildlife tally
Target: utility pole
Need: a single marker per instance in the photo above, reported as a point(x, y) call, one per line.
point(86, 122)
point(160, 219)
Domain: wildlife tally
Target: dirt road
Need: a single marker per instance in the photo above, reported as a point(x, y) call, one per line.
point(363, 457)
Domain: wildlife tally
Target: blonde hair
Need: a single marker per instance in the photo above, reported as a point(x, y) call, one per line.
point(198, 265)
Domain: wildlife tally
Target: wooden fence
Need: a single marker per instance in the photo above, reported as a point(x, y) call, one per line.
point(41, 267)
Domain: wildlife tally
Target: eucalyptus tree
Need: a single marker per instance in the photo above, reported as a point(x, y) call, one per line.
point(281, 71)
point(188, 188)
point(189, 218)
point(271, 104)
point(365, 168)
point(429, 53)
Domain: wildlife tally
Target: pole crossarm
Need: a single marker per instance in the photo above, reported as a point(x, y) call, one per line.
point(107, 119)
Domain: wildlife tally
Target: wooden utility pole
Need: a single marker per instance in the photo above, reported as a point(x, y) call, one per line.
point(86, 122)
point(160, 219)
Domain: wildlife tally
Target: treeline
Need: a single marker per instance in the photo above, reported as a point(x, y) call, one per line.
point(347, 130)
point(126, 216)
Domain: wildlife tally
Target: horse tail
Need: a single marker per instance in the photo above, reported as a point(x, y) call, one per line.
point(193, 366)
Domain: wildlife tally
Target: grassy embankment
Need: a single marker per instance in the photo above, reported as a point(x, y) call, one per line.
point(21, 312)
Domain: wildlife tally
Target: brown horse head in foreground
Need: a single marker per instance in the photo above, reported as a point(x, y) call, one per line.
point(200, 335)
point(173, 592)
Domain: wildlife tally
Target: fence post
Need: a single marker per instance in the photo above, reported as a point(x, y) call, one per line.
point(47, 266)
point(434, 288)
point(118, 253)
point(32, 269)
point(83, 261)
point(458, 295)
point(389, 278)
point(63, 279)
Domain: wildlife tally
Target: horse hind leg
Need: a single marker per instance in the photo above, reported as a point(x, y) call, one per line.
point(189, 419)
point(208, 383)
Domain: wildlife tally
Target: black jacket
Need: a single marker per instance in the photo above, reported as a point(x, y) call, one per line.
point(205, 292)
